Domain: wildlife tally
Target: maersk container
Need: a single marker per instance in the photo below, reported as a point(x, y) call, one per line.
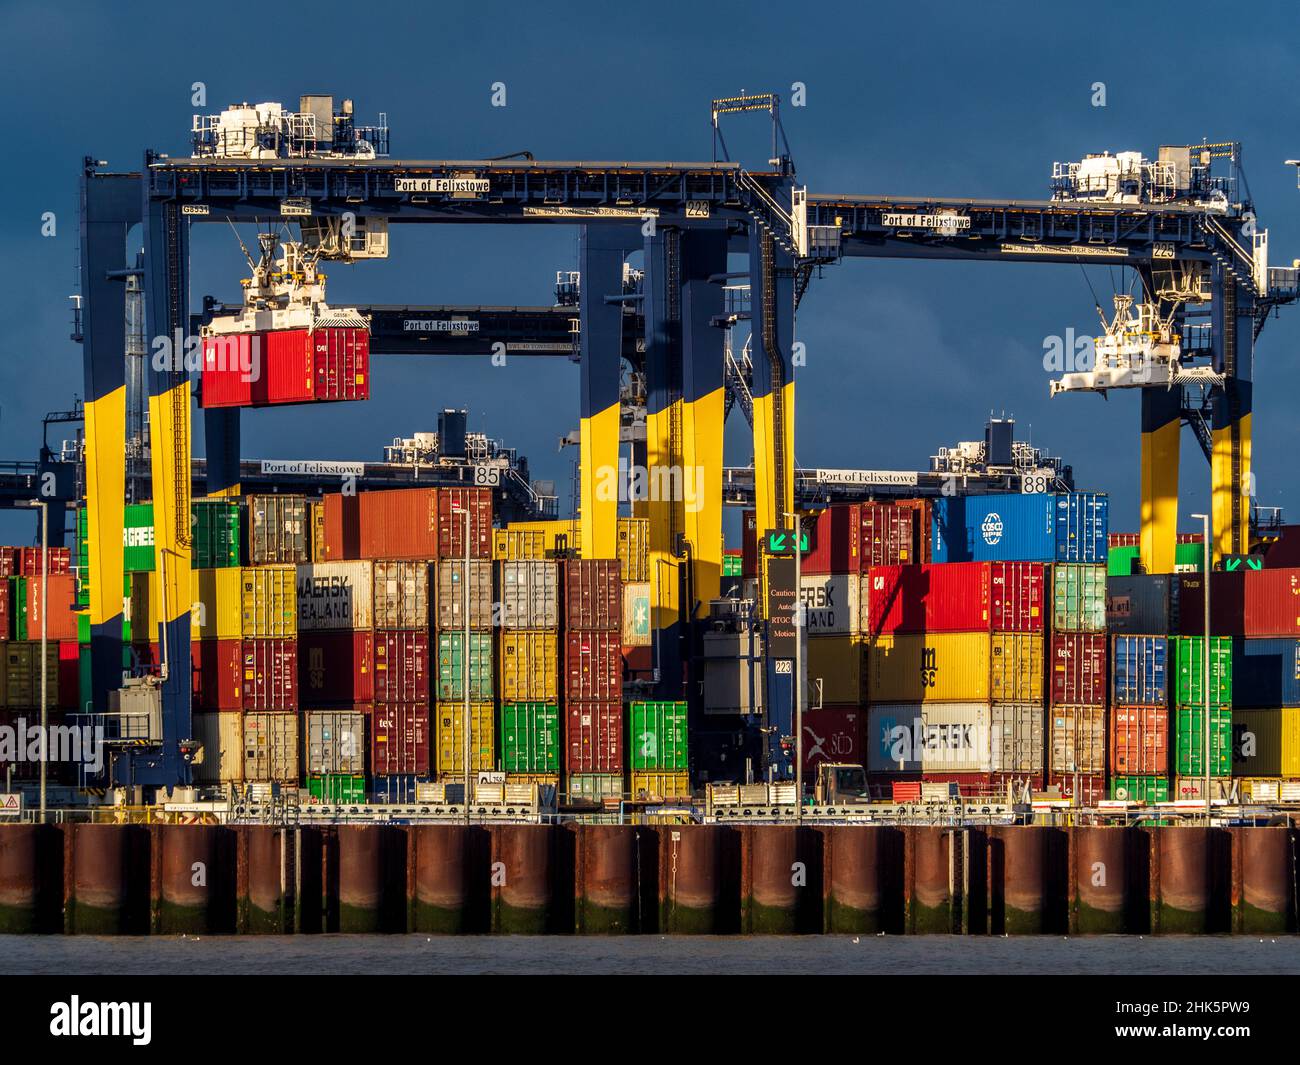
point(1017, 665)
point(530, 595)
point(1078, 597)
point(335, 743)
point(939, 737)
point(1189, 670)
point(1265, 672)
point(271, 748)
point(216, 533)
point(530, 667)
point(937, 667)
point(1077, 669)
point(593, 596)
point(633, 549)
point(1143, 603)
point(401, 666)
point(335, 596)
point(530, 737)
point(401, 597)
point(222, 737)
point(657, 735)
point(399, 739)
point(1140, 676)
point(451, 666)
point(1189, 742)
point(450, 595)
point(593, 666)
point(450, 739)
point(636, 615)
point(1077, 740)
point(831, 603)
point(278, 530)
point(1148, 789)
point(1139, 740)
point(1266, 743)
point(336, 667)
point(593, 737)
point(1069, 527)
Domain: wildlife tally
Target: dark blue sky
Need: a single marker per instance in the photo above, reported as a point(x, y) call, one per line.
point(939, 98)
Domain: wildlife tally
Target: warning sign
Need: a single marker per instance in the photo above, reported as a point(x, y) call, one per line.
point(11, 805)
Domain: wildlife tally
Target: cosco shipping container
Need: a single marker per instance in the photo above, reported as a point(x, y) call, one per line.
point(1069, 527)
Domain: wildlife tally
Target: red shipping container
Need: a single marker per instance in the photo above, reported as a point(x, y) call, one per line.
point(342, 527)
point(229, 368)
point(592, 666)
point(216, 677)
point(336, 667)
point(401, 666)
point(1227, 603)
point(1077, 668)
point(399, 523)
point(945, 597)
point(29, 561)
point(849, 537)
point(995, 787)
point(1123, 540)
point(61, 623)
point(1090, 787)
point(328, 364)
point(1017, 591)
point(69, 674)
point(1139, 741)
point(638, 662)
point(833, 734)
point(8, 561)
point(748, 544)
point(6, 587)
point(399, 739)
point(269, 674)
point(593, 595)
point(452, 503)
point(1272, 602)
point(593, 736)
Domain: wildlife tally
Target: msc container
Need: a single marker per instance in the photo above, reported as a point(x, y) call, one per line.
point(1271, 602)
point(633, 549)
point(222, 738)
point(1078, 597)
point(837, 670)
point(933, 667)
point(530, 595)
point(657, 735)
point(593, 598)
point(593, 737)
point(452, 504)
point(1266, 743)
point(593, 669)
point(401, 661)
point(335, 596)
point(530, 737)
point(394, 523)
point(451, 739)
point(337, 789)
point(518, 545)
point(216, 533)
point(278, 530)
point(1147, 789)
point(1265, 672)
point(450, 595)
point(1121, 561)
point(936, 738)
point(271, 748)
point(60, 621)
point(1189, 742)
point(1017, 664)
point(401, 597)
point(1077, 669)
point(451, 666)
point(21, 687)
point(1143, 603)
point(335, 743)
point(1077, 742)
point(659, 784)
point(928, 598)
point(831, 603)
point(1140, 677)
point(399, 739)
point(336, 667)
point(530, 667)
point(636, 615)
point(1069, 527)
point(1188, 653)
point(1139, 740)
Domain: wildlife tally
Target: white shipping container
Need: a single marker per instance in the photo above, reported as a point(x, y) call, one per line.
point(401, 598)
point(336, 595)
point(450, 594)
point(1017, 738)
point(222, 736)
point(930, 737)
point(335, 743)
point(530, 595)
point(832, 603)
point(271, 748)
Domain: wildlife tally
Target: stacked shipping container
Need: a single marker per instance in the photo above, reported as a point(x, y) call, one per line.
point(593, 678)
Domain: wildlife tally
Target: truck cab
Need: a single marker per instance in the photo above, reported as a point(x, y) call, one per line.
point(840, 783)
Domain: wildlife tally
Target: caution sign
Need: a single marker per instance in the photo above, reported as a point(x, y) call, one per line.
point(11, 804)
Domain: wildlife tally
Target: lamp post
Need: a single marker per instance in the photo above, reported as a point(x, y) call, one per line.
point(44, 666)
point(1209, 643)
point(465, 673)
point(800, 617)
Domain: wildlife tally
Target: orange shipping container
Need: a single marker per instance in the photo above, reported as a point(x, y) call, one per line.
point(1139, 741)
point(62, 622)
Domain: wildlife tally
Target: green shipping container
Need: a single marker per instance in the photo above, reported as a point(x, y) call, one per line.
point(216, 533)
point(1140, 789)
point(1189, 557)
point(83, 620)
point(1189, 742)
point(1122, 561)
point(732, 565)
point(530, 737)
point(657, 736)
point(1188, 656)
point(1078, 598)
point(451, 667)
point(336, 788)
point(137, 539)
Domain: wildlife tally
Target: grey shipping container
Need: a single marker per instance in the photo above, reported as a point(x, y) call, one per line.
point(402, 595)
point(1144, 603)
point(279, 530)
point(450, 594)
point(271, 748)
point(335, 743)
point(530, 595)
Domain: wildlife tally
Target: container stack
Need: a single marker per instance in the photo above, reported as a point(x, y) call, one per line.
point(1076, 745)
point(1139, 718)
point(20, 658)
point(593, 678)
point(529, 662)
point(1187, 685)
point(634, 572)
point(658, 762)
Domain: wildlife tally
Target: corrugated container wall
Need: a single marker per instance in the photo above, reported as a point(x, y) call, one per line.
point(1017, 665)
point(530, 737)
point(396, 523)
point(335, 743)
point(399, 739)
point(1140, 671)
point(593, 666)
point(336, 667)
point(401, 666)
point(1266, 743)
point(216, 533)
point(1077, 669)
point(271, 748)
point(335, 596)
point(831, 602)
point(1189, 670)
point(1265, 672)
point(278, 530)
point(1143, 603)
point(837, 670)
point(1139, 741)
point(930, 598)
point(932, 667)
point(450, 738)
point(452, 504)
point(529, 667)
point(530, 595)
point(634, 549)
point(222, 737)
point(1078, 597)
point(594, 737)
point(593, 596)
point(401, 595)
point(931, 738)
point(449, 592)
point(657, 735)
point(1069, 527)
point(1078, 739)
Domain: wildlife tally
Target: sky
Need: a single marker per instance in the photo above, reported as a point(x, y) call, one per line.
point(935, 98)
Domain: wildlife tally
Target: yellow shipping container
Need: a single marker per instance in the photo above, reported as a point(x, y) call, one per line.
point(518, 545)
point(541, 779)
point(928, 668)
point(530, 666)
point(551, 532)
point(449, 740)
point(316, 508)
point(1266, 743)
point(836, 664)
point(634, 549)
point(656, 785)
point(1018, 664)
point(226, 604)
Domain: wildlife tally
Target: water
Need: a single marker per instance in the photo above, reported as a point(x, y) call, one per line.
point(662, 955)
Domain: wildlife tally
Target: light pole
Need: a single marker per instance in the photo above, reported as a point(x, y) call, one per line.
point(44, 666)
point(1205, 565)
point(464, 670)
point(799, 618)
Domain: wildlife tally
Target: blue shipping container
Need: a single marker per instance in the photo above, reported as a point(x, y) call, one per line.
point(1140, 677)
point(1020, 528)
point(1265, 673)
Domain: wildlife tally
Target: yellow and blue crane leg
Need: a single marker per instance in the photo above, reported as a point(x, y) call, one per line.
point(1161, 422)
point(771, 286)
point(1232, 483)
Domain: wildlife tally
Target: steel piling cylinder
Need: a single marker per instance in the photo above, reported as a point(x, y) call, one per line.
point(1101, 880)
point(1020, 875)
point(780, 880)
point(445, 879)
point(191, 879)
point(26, 882)
point(611, 867)
point(522, 875)
point(363, 865)
point(1186, 880)
point(105, 878)
point(698, 882)
point(1263, 879)
point(929, 880)
point(266, 855)
point(863, 874)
